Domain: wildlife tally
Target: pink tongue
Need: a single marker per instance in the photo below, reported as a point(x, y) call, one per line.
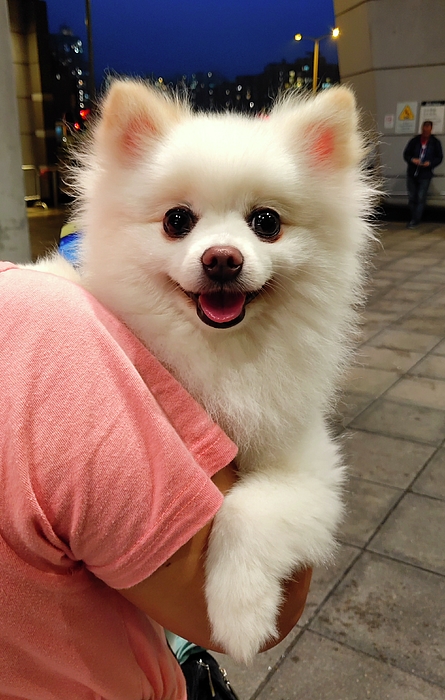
point(221, 307)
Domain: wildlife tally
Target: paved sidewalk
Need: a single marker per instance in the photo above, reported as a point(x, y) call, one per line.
point(374, 625)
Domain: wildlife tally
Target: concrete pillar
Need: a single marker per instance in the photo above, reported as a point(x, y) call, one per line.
point(392, 52)
point(14, 234)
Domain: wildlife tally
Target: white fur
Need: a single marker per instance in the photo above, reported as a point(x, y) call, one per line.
point(270, 380)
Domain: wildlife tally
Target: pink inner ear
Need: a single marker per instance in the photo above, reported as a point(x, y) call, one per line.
point(323, 145)
point(135, 130)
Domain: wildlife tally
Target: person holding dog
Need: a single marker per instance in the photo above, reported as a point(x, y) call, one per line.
point(422, 153)
point(111, 476)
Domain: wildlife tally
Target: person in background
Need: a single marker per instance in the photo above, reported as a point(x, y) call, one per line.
point(423, 153)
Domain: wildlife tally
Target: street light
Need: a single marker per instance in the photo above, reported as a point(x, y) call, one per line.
point(91, 87)
point(298, 37)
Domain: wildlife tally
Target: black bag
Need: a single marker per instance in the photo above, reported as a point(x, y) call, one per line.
point(205, 679)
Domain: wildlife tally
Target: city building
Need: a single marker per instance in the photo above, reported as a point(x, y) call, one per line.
point(71, 94)
point(51, 76)
point(255, 93)
point(392, 52)
point(34, 87)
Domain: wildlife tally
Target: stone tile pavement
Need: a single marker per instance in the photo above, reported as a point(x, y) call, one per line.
point(374, 624)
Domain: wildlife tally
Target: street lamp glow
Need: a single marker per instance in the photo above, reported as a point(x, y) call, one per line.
point(298, 37)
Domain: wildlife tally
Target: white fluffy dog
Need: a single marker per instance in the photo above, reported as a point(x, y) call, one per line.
point(233, 247)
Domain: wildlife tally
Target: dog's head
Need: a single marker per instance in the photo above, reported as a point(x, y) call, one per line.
point(209, 219)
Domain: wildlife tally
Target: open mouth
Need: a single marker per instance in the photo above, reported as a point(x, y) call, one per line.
point(222, 308)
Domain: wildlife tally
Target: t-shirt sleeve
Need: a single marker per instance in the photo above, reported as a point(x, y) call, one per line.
point(95, 471)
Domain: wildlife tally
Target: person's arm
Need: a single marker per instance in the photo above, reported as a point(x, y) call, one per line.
point(409, 151)
point(136, 486)
point(437, 154)
point(174, 595)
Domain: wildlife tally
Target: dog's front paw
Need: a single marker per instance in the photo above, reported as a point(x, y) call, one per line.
point(243, 600)
point(243, 587)
point(267, 528)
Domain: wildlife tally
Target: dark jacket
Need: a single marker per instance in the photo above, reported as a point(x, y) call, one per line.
point(433, 154)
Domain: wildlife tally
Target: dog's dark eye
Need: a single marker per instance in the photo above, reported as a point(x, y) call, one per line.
point(178, 222)
point(265, 223)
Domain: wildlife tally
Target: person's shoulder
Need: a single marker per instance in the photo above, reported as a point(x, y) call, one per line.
point(50, 301)
point(28, 285)
point(412, 141)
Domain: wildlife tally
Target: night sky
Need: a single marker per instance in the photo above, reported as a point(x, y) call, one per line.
point(170, 37)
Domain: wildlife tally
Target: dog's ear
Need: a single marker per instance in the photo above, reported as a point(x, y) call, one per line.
point(133, 116)
point(323, 130)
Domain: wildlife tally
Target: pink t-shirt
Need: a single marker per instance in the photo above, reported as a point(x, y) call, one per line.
point(105, 472)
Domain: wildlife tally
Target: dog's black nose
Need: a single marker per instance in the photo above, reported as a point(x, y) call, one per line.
point(222, 263)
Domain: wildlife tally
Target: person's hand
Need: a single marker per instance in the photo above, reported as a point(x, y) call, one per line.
point(426, 163)
point(416, 161)
point(174, 594)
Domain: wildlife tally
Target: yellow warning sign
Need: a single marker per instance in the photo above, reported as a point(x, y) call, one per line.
point(406, 113)
point(406, 117)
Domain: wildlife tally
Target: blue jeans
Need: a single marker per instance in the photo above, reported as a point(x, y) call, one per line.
point(417, 192)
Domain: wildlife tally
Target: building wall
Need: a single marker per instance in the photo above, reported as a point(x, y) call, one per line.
point(393, 52)
point(14, 237)
point(31, 60)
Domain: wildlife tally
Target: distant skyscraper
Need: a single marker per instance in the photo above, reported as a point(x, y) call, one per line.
point(255, 93)
point(71, 76)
